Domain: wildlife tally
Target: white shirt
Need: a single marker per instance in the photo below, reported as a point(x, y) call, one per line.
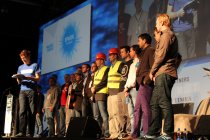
point(131, 81)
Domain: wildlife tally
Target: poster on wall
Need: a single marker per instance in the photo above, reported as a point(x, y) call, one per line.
point(66, 40)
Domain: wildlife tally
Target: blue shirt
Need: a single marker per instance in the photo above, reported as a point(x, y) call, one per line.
point(28, 70)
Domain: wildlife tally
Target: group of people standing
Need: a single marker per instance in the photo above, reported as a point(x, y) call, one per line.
point(128, 99)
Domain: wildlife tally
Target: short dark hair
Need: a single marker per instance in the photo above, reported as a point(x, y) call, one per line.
point(147, 37)
point(39, 86)
point(87, 65)
point(55, 76)
point(25, 52)
point(136, 49)
point(127, 48)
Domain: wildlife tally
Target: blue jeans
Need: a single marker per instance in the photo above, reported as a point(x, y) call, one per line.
point(86, 107)
point(38, 124)
point(132, 101)
point(102, 107)
point(26, 111)
point(62, 115)
point(96, 113)
point(50, 122)
point(161, 104)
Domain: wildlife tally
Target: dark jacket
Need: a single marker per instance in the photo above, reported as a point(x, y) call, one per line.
point(87, 89)
point(165, 55)
point(77, 92)
point(146, 62)
point(39, 103)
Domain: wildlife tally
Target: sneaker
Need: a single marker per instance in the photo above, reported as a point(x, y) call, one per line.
point(29, 135)
point(148, 137)
point(121, 136)
point(164, 137)
point(129, 137)
point(37, 136)
point(20, 135)
point(113, 138)
point(60, 135)
point(49, 136)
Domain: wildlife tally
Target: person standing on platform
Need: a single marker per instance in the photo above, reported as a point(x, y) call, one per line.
point(39, 113)
point(86, 94)
point(125, 124)
point(62, 109)
point(50, 103)
point(95, 109)
point(130, 91)
point(142, 107)
point(100, 92)
point(57, 114)
point(31, 75)
point(116, 120)
point(74, 98)
point(164, 74)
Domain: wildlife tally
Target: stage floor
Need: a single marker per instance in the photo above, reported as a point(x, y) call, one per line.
point(197, 137)
point(44, 138)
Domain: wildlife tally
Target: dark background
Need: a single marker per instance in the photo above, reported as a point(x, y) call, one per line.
point(19, 29)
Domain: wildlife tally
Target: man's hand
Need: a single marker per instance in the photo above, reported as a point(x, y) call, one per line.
point(93, 90)
point(180, 13)
point(151, 77)
point(126, 94)
point(125, 89)
point(51, 109)
point(43, 110)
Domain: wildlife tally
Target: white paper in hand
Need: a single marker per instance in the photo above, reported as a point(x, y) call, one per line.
point(18, 76)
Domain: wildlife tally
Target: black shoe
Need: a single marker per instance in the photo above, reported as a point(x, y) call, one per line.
point(20, 135)
point(60, 135)
point(50, 136)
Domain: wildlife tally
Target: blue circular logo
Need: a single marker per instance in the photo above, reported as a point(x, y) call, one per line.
point(69, 40)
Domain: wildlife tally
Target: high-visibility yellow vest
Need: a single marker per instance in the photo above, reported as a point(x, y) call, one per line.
point(98, 77)
point(113, 76)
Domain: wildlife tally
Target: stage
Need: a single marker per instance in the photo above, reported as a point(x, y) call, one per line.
point(45, 138)
point(196, 137)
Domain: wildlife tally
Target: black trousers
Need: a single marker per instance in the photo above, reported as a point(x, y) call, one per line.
point(161, 105)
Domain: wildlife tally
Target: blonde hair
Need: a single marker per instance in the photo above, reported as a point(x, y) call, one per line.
point(165, 19)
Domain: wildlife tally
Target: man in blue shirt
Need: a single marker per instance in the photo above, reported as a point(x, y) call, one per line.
point(31, 75)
